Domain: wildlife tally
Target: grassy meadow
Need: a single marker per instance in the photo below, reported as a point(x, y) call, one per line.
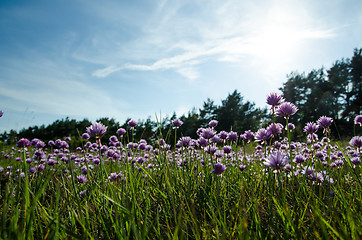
point(221, 186)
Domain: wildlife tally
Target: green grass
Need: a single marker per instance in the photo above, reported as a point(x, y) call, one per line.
point(169, 202)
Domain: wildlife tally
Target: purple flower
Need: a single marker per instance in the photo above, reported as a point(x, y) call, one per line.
point(82, 179)
point(291, 126)
point(242, 167)
point(113, 138)
point(274, 99)
point(185, 142)
point(356, 141)
point(202, 142)
point(299, 159)
point(67, 139)
point(210, 149)
point(208, 133)
point(311, 128)
point(232, 136)
point(177, 123)
point(356, 160)
point(40, 144)
point(324, 122)
point(276, 160)
point(358, 120)
point(121, 131)
point(286, 109)
point(213, 123)
point(219, 153)
point(223, 135)
point(113, 176)
point(249, 135)
point(96, 130)
point(132, 123)
point(1, 113)
point(23, 143)
point(215, 139)
point(85, 136)
point(262, 135)
point(218, 168)
point(227, 149)
point(275, 129)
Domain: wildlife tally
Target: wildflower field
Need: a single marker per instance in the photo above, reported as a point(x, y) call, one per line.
point(222, 185)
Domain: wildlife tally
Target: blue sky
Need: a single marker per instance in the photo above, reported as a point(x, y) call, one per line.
point(119, 59)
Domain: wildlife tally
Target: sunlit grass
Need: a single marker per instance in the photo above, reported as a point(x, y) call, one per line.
point(162, 192)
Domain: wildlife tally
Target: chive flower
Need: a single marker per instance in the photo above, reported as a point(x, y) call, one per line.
point(324, 122)
point(286, 109)
point(358, 120)
point(121, 131)
point(208, 133)
point(177, 123)
point(96, 130)
point(132, 123)
point(276, 160)
point(356, 141)
point(262, 135)
point(23, 143)
point(311, 128)
point(274, 99)
point(82, 179)
point(218, 168)
point(213, 123)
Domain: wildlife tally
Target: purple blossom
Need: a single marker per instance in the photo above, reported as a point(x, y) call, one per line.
point(276, 160)
point(227, 149)
point(213, 123)
point(358, 120)
point(275, 129)
point(113, 176)
point(215, 139)
point(324, 122)
point(208, 133)
point(82, 179)
point(202, 142)
point(40, 144)
point(68, 139)
point(274, 99)
point(121, 131)
point(210, 149)
point(291, 126)
point(232, 136)
point(249, 135)
point(299, 159)
point(262, 135)
point(23, 143)
point(242, 167)
point(142, 146)
point(223, 135)
point(85, 136)
point(311, 128)
point(185, 142)
point(356, 160)
point(356, 141)
point(219, 153)
point(177, 123)
point(199, 131)
point(113, 138)
point(132, 123)
point(286, 109)
point(1, 113)
point(218, 168)
point(96, 130)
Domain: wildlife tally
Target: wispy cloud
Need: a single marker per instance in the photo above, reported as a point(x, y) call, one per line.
point(229, 49)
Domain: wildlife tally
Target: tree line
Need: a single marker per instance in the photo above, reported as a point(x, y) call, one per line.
point(334, 92)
